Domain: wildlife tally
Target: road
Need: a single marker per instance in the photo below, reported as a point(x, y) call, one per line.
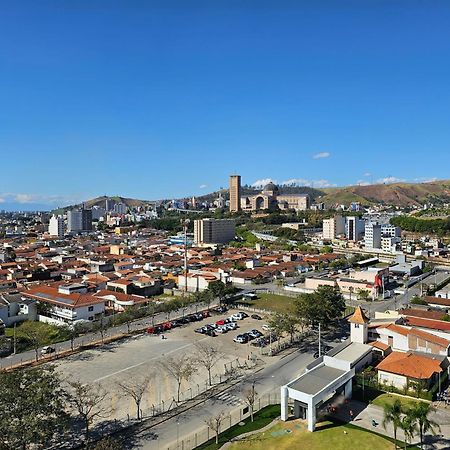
point(89, 338)
point(183, 426)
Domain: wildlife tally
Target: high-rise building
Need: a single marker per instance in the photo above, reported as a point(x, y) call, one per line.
point(79, 220)
point(333, 227)
point(354, 228)
point(372, 236)
point(235, 193)
point(56, 226)
point(214, 231)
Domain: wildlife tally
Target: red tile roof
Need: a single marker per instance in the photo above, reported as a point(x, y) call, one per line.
point(410, 365)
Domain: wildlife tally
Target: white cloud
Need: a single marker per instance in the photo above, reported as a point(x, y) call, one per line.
point(367, 174)
point(50, 200)
point(203, 186)
point(426, 180)
point(322, 155)
point(308, 183)
point(262, 182)
point(362, 183)
point(390, 180)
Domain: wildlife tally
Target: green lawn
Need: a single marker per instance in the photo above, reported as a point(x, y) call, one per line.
point(387, 399)
point(272, 302)
point(261, 419)
point(328, 435)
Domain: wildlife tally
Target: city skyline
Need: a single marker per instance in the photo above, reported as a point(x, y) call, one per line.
point(151, 101)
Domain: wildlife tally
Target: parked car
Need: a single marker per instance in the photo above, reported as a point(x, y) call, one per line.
point(155, 330)
point(241, 339)
point(238, 316)
point(221, 322)
point(255, 333)
point(222, 329)
point(221, 309)
point(231, 326)
point(210, 333)
point(47, 350)
point(176, 323)
point(266, 327)
point(166, 326)
point(200, 330)
point(256, 317)
point(324, 350)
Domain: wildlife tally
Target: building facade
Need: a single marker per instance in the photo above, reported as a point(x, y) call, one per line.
point(270, 198)
point(235, 193)
point(56, 226)
point(334, 227)
point(214, 231)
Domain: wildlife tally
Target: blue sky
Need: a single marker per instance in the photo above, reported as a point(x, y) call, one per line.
point(160, 99)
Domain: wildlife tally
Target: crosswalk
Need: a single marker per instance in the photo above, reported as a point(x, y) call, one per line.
point(230, 399)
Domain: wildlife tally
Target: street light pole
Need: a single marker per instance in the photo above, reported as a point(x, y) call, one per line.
point(320, 348)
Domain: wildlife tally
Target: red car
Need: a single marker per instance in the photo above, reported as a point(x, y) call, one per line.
point(155, 330)
point(166, 326)
point(220, 322)
point(206, 313)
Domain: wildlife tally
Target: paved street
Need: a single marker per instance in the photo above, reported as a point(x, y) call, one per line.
point(268, 380)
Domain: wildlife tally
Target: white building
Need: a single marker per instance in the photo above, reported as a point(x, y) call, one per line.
point(372, 236)
point(214, 231)
point(334, 227)
point(56, 226)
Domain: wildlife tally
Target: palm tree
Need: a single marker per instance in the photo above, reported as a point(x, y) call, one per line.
point(421, 412)
point(392, 414)
point(408, 424)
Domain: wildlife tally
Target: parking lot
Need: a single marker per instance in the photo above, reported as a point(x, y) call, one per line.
point(142, 355)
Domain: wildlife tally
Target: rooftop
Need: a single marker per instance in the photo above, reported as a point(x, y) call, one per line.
point(317, 379)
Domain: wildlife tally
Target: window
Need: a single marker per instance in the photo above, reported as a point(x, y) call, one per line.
point(91, 308)
point(91, 318)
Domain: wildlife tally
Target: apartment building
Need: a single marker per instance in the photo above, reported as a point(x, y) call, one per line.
point(354, 228)
point(372, 236)
point(56, 226)
point(235, 193)
point(334, 227)
point(214, 231)
point(79, 220)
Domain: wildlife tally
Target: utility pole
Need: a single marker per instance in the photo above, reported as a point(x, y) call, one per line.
point(185, 227)
point(320, 347)
point(14, 340)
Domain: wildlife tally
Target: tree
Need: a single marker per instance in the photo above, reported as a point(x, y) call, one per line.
point(392, 414)
point(214, 423)
point(420, 412)
point(408, 425)
point(217, 290)
point(285, 323)
point(89, 403)
point(32, 408)
point(208, 356)
point(181, 369)
point(107, 443)
point(363, 295)
point(250, 397)
point(136, 390)
point(35, 334)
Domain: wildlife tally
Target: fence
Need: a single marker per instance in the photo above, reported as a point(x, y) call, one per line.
point(205, 433)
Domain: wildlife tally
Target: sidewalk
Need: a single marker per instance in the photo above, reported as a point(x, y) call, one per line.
point(364, 414)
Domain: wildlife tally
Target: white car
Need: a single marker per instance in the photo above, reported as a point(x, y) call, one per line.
point(266, 327)
point(238, 316)
point(230, 326)
point(221, 329)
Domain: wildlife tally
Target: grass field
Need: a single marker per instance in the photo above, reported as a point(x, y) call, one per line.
point(272, 302)
point(261, 419)
point(387, 399)
point(294, 435)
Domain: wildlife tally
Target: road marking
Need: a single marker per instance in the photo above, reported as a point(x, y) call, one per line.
point(148, 360)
